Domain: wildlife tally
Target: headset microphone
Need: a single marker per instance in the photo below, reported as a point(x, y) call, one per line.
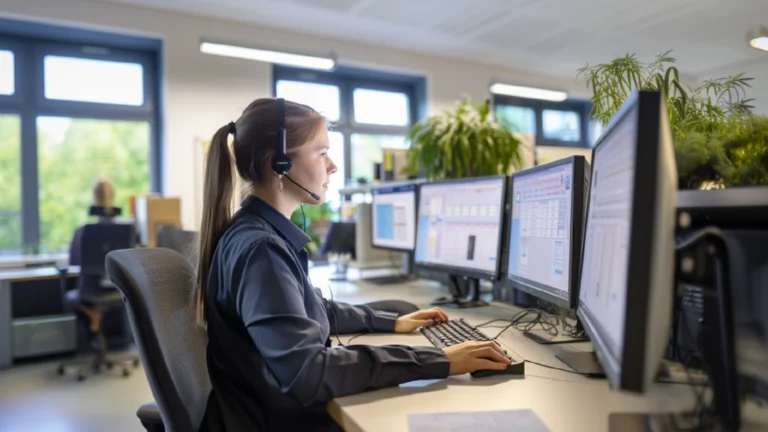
point(312, 194)
point(281, 162)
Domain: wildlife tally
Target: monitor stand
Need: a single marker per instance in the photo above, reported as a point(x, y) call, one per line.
point(582, 362)
point(456, 300)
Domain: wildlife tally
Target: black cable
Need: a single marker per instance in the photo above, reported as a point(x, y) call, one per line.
point(349, 342)
point(333, 311)
point(303, 219)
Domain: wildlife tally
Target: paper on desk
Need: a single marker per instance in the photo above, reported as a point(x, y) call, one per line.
point(512, 420)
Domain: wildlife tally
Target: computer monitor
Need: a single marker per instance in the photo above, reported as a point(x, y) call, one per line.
point(459, 230)
point(545, 230)
point(627, 271)
point(394, 218)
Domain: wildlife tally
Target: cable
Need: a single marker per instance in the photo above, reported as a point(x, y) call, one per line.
point(349, 342)
point(333, 311)
point(303, 219)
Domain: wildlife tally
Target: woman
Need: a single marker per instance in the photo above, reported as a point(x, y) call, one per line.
point(270, 359)
point(103, 196)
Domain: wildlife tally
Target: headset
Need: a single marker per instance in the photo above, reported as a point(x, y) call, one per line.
point(281, 162)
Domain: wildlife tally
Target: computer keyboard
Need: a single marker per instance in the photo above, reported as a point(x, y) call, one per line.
point(454, 332)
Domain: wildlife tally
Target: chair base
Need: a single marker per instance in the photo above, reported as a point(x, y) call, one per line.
point(94, 365)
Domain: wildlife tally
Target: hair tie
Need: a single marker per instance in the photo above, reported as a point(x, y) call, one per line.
point(232, 128)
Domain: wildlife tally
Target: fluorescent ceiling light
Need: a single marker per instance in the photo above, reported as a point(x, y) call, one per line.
point(267, 56)
point(528, 92)
point(760, 43)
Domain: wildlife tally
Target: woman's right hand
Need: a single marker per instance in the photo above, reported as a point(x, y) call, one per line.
point(471, 356)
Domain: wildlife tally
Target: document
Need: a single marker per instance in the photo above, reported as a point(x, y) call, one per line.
point(512, 420)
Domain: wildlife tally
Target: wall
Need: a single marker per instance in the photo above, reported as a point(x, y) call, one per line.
point(204, 92)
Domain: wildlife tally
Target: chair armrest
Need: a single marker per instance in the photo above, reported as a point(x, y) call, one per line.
point(150, 417)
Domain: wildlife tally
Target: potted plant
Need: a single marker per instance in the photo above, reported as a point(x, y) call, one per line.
point(716, 137)
point(464, 142)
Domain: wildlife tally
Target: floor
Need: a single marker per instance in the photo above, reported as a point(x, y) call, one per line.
point(33, 397)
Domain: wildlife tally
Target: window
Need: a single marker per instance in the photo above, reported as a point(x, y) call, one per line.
point(561, 125)
point(381, 107)
point(520, 119)
point(88, 80)
point(10, 178)
point(323, 98)
point(7, 73)
point(551, 123)
point(369, 112)
point(72, 155)
point(91, 100)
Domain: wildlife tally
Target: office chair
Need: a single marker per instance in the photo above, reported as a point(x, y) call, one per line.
point(182, 241)
point(157, 285)
point(95, 295)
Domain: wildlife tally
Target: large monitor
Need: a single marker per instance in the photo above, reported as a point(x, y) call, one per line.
point(545, 230)
point(459, 234)
point(394, 218)
point(627, 271)
point(460, 226)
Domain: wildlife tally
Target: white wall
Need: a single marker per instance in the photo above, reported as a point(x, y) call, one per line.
point(204, 92)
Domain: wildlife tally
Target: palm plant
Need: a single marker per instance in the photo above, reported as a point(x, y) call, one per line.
point(712, 124)
point(464, 142)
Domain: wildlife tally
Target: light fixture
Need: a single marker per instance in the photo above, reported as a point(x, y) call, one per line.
point(758, 38)
point(528, 92)
point(276, 57)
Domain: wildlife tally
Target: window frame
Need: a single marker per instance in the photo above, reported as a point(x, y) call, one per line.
point(30, 43)
point(583, 108)
point(348, 79)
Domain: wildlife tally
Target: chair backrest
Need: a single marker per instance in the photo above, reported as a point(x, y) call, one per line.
point(99, 240)
point(182, 241)
point(157, 286)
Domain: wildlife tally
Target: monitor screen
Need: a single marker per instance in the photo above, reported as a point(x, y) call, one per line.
point(540, 229)
point(394, 217)
point(604, 283)
point(460, 224)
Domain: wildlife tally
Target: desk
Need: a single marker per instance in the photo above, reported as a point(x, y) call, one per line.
point(563, 401)
point(7, 279)
point(23, 261)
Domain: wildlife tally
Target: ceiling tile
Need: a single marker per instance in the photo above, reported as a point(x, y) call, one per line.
point(410, 12)
point(478, 15)
point(334, 5)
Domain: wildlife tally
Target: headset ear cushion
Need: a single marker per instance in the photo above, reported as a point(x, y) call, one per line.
point(281, 163)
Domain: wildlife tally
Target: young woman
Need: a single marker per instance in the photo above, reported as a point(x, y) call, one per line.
point(270, 359)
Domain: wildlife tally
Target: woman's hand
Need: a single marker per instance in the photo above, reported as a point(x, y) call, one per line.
point(472, 356)
point(410, 322)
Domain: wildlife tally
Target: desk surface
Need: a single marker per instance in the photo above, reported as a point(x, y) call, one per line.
point(564, 401)
point(32, 274)
point(21, 261)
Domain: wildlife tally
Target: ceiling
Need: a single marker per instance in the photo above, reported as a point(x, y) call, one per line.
point(553, 36)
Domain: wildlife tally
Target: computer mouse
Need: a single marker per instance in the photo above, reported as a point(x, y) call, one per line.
point(512, 369)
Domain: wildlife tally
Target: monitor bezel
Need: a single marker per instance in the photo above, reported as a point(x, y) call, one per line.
point(415, 216)
point(579, 171)
point(627, 372)
point(463, 271)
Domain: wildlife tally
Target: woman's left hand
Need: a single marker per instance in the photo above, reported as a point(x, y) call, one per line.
point(425, 317)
